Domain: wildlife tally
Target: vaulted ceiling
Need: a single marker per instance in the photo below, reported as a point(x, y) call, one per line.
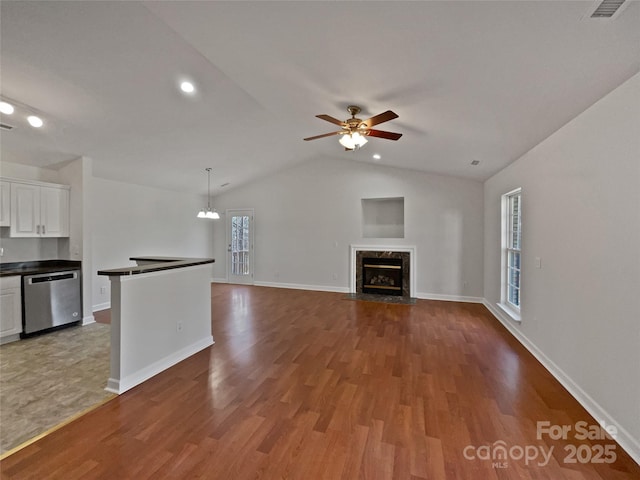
point(476, 80)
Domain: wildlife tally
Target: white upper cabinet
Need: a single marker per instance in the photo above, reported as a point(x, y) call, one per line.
point(39, 211)
point(5, 204)
point(25, 210)
point(54, 212)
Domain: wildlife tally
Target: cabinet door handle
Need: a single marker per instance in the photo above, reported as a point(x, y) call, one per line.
point(43, 229)
point(38, 229)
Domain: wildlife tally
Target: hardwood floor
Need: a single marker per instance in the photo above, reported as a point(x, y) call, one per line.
point(102, 316)
point(308, 385)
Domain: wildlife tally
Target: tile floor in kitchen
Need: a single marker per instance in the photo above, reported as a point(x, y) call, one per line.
point(47, 379)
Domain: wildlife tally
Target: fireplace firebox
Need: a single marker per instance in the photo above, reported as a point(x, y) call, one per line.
point(382, 276)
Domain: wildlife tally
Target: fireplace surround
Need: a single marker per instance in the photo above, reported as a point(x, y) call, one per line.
point(387, 255)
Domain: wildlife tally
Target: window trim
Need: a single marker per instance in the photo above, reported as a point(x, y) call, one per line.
point(505, 248)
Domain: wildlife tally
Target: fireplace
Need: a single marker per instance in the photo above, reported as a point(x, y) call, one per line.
point(384, 270)
point(382, 276)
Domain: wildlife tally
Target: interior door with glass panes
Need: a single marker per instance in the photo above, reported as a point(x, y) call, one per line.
point(240, 246)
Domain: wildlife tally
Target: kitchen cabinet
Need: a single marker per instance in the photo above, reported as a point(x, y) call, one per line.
point(10, 306)
point(39, 210)
point(5, 204)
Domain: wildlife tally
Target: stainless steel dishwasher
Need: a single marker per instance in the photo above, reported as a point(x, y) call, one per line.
point(51, 300)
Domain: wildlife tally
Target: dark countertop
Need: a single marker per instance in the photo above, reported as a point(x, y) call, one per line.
point(161, 263)
point(35, 267)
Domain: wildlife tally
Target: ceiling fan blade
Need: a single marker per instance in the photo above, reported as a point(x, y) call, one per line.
point(330, 119)
point(324, 135)
point(383, 117)
point(383, 134)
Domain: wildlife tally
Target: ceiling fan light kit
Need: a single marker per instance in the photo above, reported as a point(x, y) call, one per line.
point(352, 141)
point(354, 130)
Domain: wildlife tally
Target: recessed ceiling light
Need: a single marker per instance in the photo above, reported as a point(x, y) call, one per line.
point(376, 157)
point(35, 122)
point(187, 87)
point(6, 108)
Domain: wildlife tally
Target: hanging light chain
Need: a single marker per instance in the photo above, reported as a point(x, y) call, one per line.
point(208, 188)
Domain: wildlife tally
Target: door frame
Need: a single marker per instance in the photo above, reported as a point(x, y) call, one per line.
point(229, 213)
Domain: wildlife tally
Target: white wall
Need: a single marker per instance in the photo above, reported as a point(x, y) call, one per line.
point(307, 216)
point(129, 220)
point(27, 172)
point(78, 174)
point(157, 320)
point(580, 210)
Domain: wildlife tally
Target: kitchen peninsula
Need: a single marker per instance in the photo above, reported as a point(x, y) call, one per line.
point(160, 315)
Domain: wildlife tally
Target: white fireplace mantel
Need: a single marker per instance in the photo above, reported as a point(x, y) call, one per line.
point(411, 249)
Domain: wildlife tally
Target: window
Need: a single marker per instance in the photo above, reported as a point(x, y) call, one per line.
point(511, 251)
point(239, 246)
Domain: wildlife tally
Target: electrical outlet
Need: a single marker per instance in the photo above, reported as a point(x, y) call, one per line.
point(179, 326)
point(103, 290)
point(335, 276)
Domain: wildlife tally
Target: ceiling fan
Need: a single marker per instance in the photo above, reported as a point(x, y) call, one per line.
point(354, 131)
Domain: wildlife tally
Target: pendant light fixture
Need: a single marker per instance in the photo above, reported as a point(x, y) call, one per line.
point(208, 213)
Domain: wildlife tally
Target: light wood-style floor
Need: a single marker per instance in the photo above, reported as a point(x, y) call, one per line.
point(308, 385)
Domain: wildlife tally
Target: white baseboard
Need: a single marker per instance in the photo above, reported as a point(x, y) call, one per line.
point(88, 320)
point(219, 280)
point(326, 288)
point(449, 298)
point(628, 443)
point(300, 286)
point(120, 386)
point(101, 306)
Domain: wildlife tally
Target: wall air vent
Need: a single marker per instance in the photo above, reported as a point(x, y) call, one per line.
point(4, 126)
point(607, 8)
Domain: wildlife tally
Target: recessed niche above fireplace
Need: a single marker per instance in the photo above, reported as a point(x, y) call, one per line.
point(383, 217)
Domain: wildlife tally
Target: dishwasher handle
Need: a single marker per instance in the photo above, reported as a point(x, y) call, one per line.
point(52, 277)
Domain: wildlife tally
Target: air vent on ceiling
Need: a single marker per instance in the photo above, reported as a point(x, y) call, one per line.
point(607, 8)
point(4, 126)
